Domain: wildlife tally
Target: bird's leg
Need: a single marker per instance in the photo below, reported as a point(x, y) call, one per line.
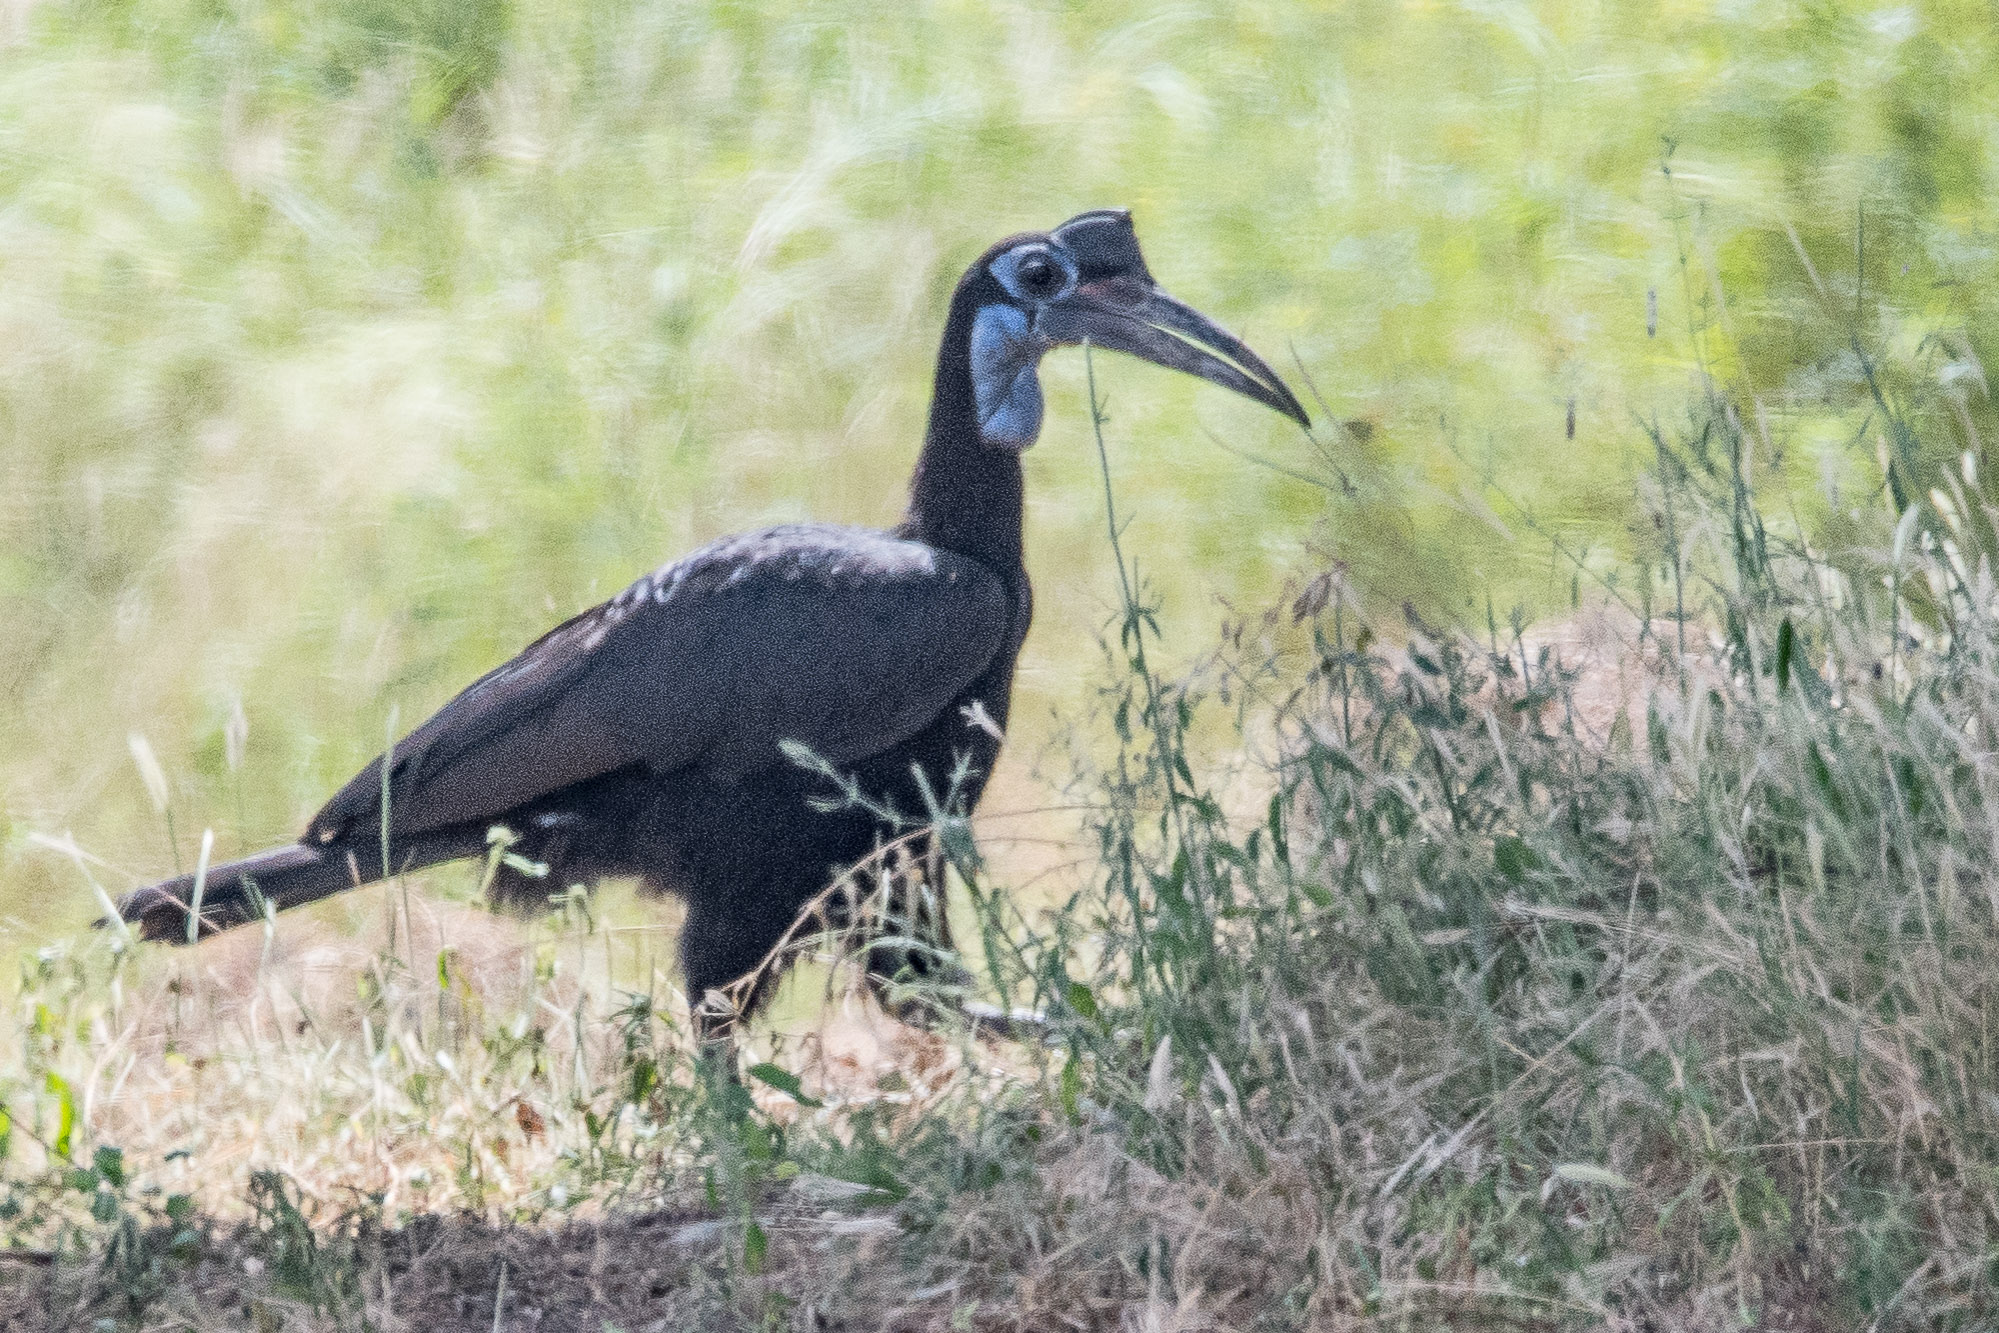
point(714, 1021)
point(924, 911)
point(725, 957)
point(923, 959)
point(896, 936)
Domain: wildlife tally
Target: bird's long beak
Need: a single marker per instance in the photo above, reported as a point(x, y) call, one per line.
point(1130, 314)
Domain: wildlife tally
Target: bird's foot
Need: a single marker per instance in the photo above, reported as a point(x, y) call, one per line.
point(1016, 1024)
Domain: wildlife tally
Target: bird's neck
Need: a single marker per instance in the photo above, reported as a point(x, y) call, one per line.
point(966, 495)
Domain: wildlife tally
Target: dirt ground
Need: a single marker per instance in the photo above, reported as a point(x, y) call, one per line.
point(642, 1272)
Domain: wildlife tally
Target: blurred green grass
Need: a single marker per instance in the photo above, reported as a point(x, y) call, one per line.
point(350, 345)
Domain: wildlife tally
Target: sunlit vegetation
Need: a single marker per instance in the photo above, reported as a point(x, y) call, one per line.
point(1520, 857)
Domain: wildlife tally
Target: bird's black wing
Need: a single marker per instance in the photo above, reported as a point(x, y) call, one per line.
point(844, 640)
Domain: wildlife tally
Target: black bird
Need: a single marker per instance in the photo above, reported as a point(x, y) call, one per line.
point(650, 736)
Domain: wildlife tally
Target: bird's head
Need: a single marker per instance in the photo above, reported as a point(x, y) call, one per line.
point(1086, 281)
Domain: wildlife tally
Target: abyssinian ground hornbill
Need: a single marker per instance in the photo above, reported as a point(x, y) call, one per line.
point(657, 735)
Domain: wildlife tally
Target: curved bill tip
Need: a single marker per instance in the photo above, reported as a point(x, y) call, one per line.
point(1289, 404)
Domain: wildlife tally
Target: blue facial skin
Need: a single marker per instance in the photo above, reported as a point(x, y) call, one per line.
point(1007, 347)
point(1005, 389)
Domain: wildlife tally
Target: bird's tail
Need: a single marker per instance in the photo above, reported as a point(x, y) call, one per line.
point(284, 877)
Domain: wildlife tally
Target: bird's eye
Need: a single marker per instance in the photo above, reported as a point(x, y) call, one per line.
point(1038, 275)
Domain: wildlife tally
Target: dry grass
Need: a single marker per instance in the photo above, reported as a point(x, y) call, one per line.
point(1557, 982)
point(1555, 987)
point(444, 1059)
point(1694, 1096)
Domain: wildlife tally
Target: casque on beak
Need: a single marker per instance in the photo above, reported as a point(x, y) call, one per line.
point(1116, 304)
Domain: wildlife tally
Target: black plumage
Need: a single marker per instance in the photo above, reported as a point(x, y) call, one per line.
point(648, 736)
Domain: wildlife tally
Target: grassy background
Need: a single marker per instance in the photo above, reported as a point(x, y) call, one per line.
point(1646, 984)
point(350, 345)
